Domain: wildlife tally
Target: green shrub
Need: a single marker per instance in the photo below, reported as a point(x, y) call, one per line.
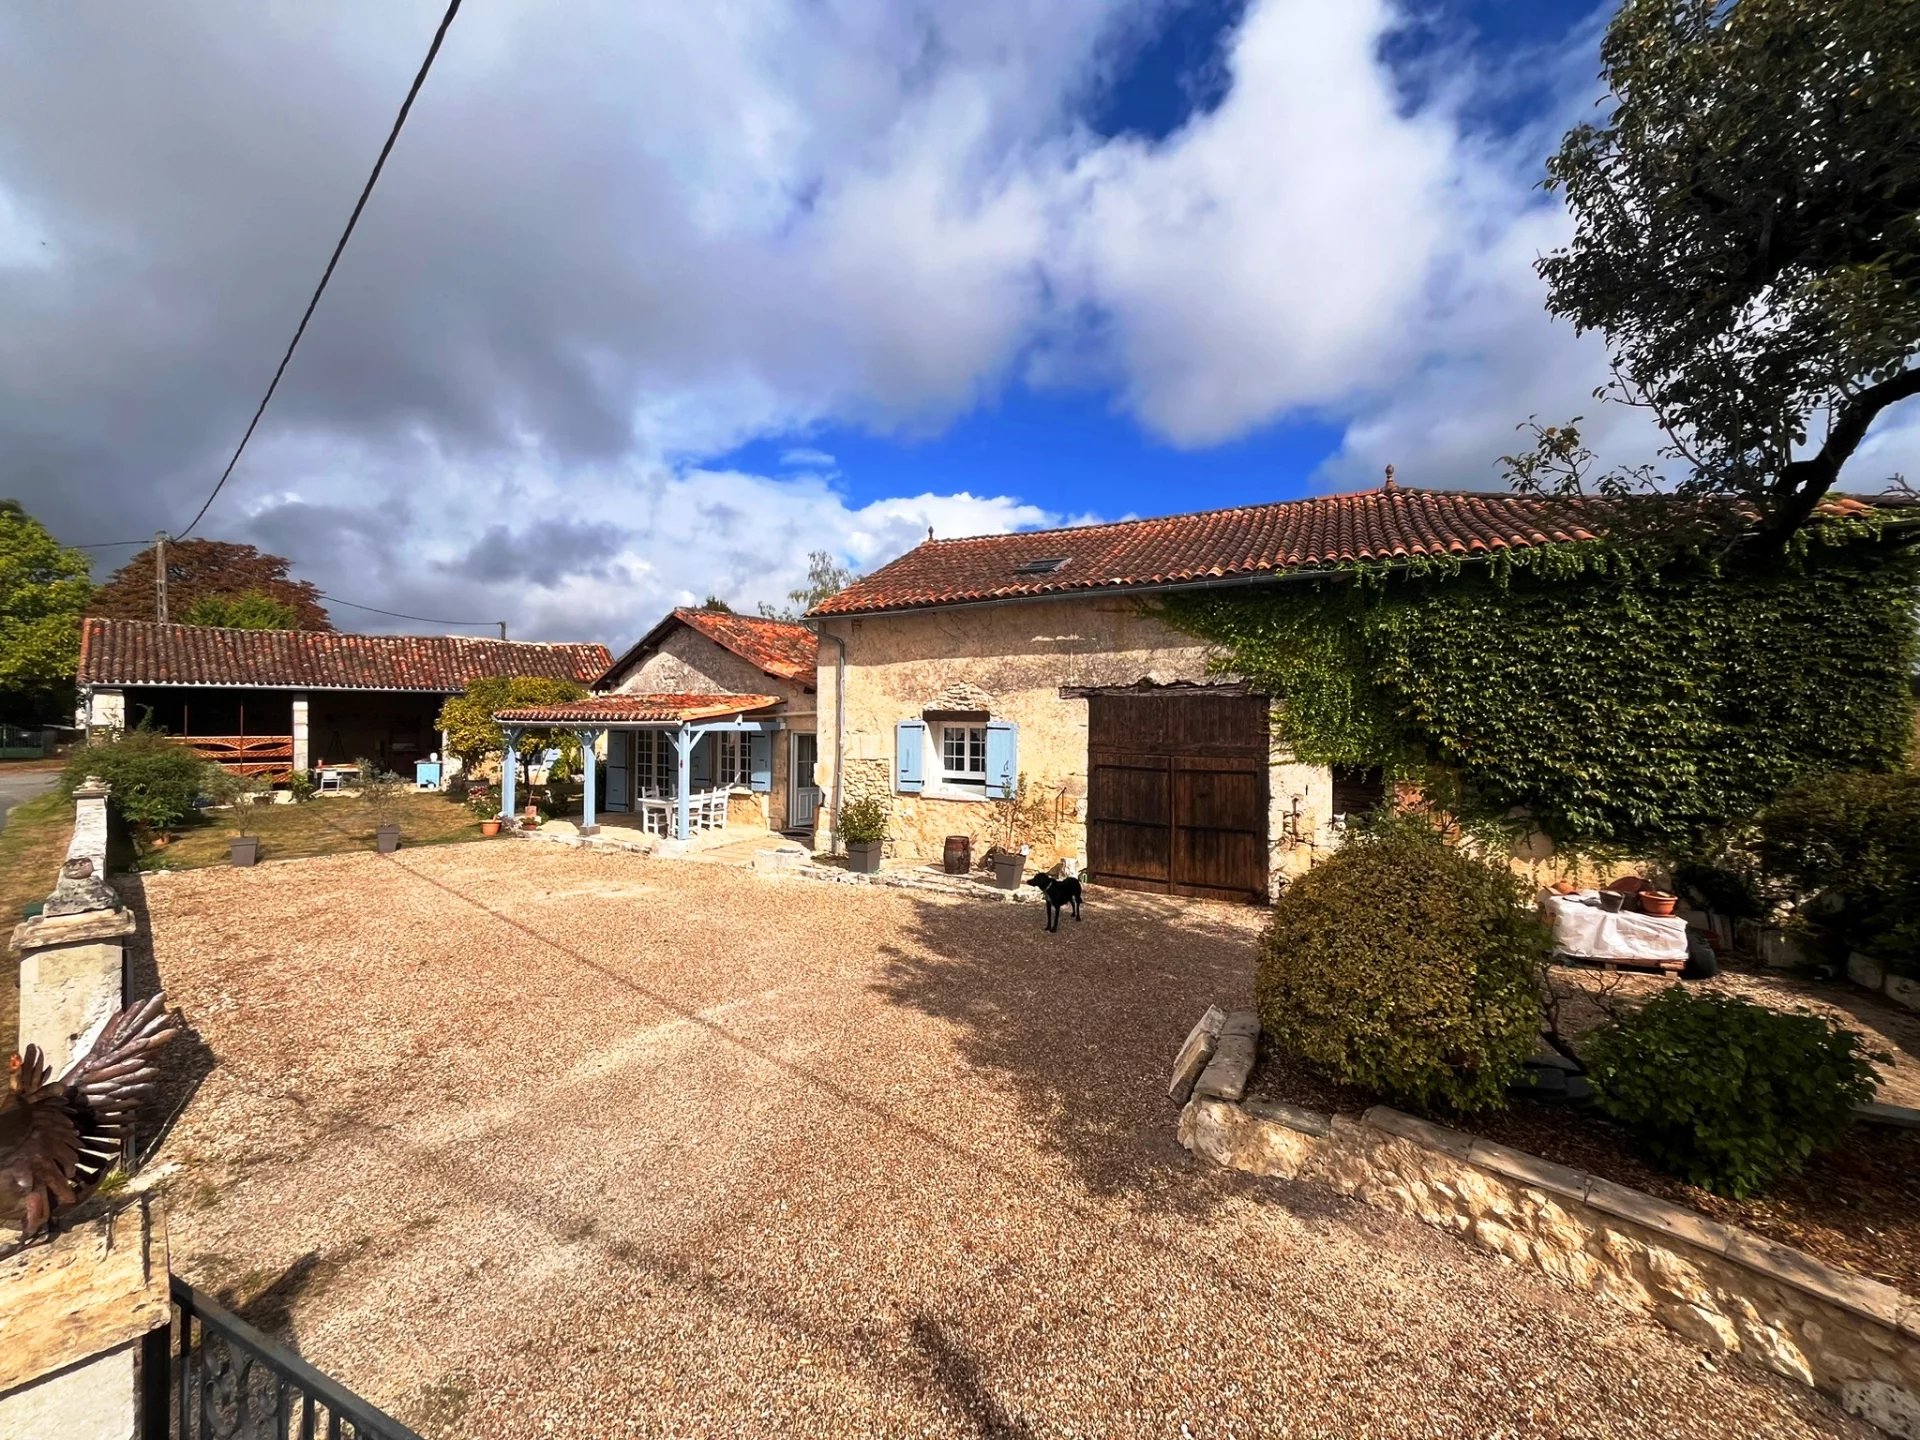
point(1850, 845)
point(300, 785)
point(1727, 1094)
point(1407, 967)
point(155, 781)
point(863, 821)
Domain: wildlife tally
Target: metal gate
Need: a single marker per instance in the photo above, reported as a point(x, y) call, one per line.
point(1177, 793)
point(211, 1376)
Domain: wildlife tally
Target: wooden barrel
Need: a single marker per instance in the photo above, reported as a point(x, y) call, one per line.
point(959, 856)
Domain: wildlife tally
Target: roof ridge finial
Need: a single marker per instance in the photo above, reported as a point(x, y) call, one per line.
point(1389, 485)
point(929, 532)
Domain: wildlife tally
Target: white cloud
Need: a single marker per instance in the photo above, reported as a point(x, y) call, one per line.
point(610, 249)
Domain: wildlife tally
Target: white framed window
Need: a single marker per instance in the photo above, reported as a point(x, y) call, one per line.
point(963, 756)
point(730, 759)
point(656, 763)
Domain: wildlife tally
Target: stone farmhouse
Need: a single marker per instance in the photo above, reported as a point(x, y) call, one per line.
point(952, 674)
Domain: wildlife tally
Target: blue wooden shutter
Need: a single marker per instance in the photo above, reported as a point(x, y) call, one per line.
point(1003, 758)
point(700, 766)
point(619, 769)
point(760, 763)
point(909, 750)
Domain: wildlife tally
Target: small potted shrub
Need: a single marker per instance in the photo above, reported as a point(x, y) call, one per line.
point(380, 789)
point(863, 825)
point(240, 793)
point(1008, 867)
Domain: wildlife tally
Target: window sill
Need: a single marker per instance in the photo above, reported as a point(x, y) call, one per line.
point(955, 792)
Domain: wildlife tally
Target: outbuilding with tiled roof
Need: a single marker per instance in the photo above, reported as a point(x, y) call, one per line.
point(277, 701)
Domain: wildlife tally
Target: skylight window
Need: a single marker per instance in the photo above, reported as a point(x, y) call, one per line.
point(1044, 566)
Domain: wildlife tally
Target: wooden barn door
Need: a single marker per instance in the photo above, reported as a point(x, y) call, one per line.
point(1177, 793)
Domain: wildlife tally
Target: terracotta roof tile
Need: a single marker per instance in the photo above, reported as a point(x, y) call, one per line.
point(636, 709)
point(143, 652)
point(784, 649)
point(780, 647)
point(1248, 540)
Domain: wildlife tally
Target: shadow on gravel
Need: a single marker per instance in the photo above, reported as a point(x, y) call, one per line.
point(186, 1060)
point(1082, 1024)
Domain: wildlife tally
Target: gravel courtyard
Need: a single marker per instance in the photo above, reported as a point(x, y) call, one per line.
point(524, 1141)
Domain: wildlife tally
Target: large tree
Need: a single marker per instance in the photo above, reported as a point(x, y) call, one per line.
point(1747, 240)
point(232, 578)
point(43, 592)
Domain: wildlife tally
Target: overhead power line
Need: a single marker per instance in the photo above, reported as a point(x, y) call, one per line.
point(421, 619)
point(399, 120)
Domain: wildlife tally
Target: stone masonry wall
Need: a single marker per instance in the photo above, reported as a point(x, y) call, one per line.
point(687, 662)
point(1014, 659)
point(1723, 1288)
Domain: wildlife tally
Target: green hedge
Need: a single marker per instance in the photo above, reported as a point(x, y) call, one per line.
point(1727, 1094)
point(1849, 845)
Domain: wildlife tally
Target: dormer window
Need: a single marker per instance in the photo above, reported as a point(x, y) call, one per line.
point(1044, 566)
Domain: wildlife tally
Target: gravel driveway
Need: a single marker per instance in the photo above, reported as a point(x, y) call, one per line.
point(522, 1141)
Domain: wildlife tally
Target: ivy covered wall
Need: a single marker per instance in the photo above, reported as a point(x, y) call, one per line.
point(1626, 698)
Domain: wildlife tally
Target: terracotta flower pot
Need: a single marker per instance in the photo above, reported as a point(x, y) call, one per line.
point(490, 827)
point(1657, 902)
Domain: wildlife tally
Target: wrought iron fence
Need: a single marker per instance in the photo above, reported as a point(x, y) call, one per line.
point(212, 1376)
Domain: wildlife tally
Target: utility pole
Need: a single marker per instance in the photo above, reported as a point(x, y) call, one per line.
point(160, 577)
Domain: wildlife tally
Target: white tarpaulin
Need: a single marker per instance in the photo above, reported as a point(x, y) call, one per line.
point(1584, 929)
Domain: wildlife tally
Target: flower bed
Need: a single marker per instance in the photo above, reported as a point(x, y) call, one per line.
point(1857, 1208)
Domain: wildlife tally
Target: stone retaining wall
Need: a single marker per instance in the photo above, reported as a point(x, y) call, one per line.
point(1721, 1287)
point(72, 954)
point(1866, 971)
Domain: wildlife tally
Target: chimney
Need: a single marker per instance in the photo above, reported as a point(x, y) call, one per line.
point(1389, 484)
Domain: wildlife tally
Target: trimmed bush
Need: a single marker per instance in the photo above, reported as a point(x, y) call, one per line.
point(1850, 845)
point(155, 781)
point(1726, 1094)
point(863, 821)
point(1409, 968)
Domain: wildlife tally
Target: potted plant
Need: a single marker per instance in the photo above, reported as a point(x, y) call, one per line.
point(863, 826)
point(482, 803)
point(380, 789)
point(1008, 866)
point(222, 787)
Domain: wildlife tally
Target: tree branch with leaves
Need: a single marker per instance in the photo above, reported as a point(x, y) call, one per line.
point(1747, 242)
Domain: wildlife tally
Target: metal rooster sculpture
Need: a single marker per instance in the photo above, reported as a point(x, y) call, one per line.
point(59, 1137)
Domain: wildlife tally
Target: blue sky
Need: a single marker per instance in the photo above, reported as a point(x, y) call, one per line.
point(652, 303)
point(1073, 449)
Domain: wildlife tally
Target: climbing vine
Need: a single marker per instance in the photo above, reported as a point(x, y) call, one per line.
point(1624, 696)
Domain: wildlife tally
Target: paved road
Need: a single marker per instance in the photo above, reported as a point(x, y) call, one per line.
point(16, 786)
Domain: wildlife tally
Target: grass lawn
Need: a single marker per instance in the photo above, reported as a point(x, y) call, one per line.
point(31, 849)
point(330, 825)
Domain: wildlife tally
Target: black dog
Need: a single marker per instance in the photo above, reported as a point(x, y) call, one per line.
point(1060, 894)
